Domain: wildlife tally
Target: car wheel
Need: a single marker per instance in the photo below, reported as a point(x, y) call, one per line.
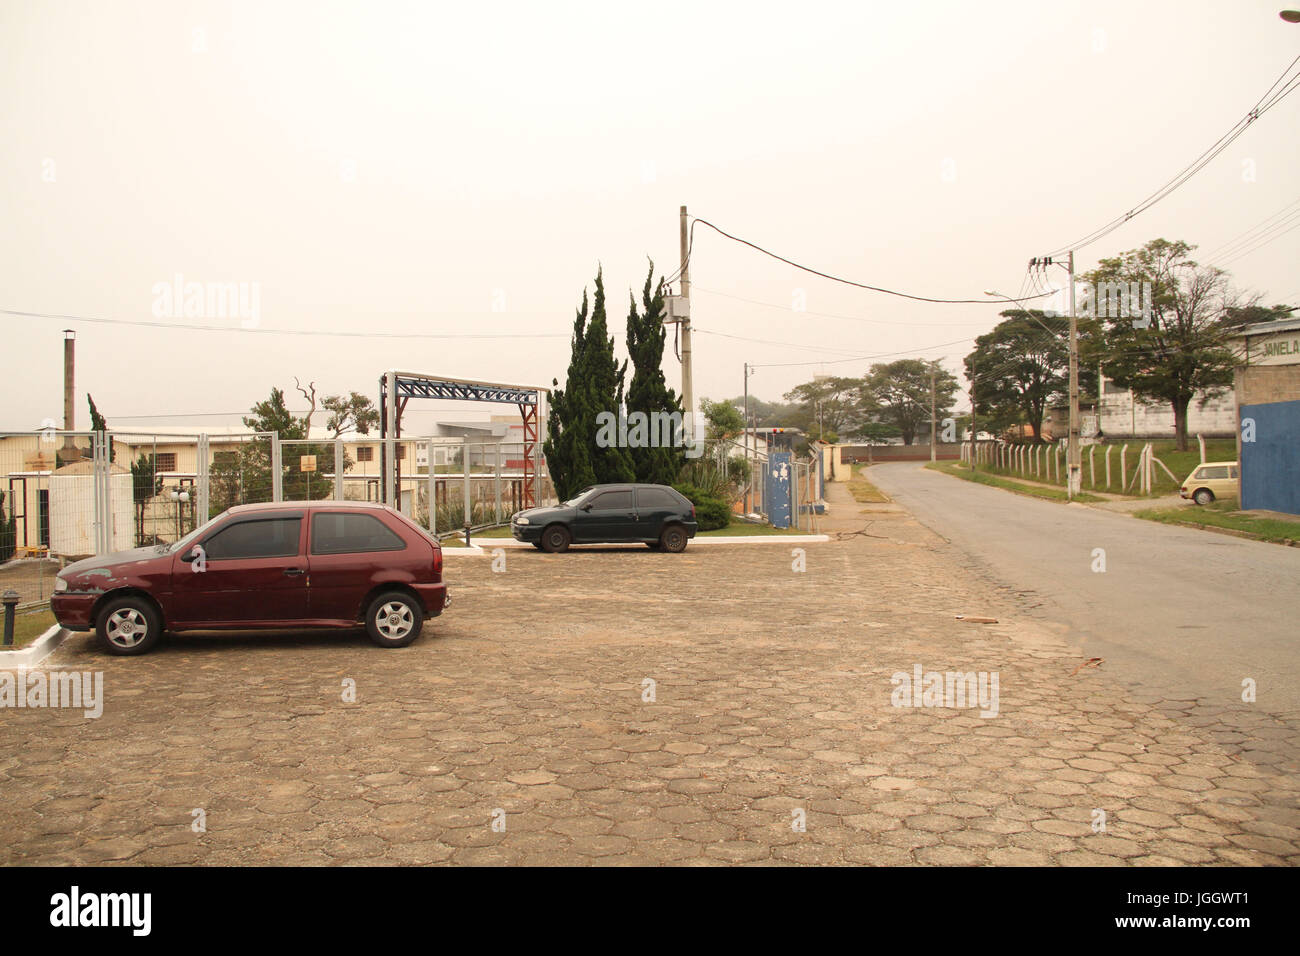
point(394, 619)
point(673, 539)
point(555, 539)
point(128, 625)
point(1203, 496)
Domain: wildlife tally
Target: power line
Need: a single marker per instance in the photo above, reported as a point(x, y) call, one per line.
point(824, 275)
point(1225, 247)
point(1293, 221)
point(1261, 107)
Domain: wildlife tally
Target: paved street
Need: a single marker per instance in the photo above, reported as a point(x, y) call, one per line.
point(771, 735)
point(1178, 611)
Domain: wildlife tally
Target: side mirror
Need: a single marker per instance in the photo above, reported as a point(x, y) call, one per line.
point(188, 557)
point(586, 508)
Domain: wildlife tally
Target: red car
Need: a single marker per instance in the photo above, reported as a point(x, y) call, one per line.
point(284, 565)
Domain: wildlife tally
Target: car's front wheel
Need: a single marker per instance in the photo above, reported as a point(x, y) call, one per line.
point(1203, 496)
point(394, 619)
point(673, 539)
point(555, 539)
point(128, 625)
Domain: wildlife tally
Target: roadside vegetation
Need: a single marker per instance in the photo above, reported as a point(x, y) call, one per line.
point(863, 491)
point(1224, 515)
point(29, 625)
point(983, 477)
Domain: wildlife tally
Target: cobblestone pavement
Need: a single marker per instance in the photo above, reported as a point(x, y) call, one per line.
point(527, 703)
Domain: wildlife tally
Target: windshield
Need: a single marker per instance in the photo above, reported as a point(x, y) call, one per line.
point(185, 542)
point(577, 499)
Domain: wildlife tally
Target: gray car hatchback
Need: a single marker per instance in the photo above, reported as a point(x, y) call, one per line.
point(655, 515)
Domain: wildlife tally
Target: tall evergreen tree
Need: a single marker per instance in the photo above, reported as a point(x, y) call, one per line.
point(648, 392)
point(594, 384)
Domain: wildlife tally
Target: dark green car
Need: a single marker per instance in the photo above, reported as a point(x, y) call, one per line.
point(655, 515)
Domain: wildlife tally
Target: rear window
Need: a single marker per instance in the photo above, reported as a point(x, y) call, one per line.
point(340, 532)
point(268, 538)
point(1217, 471)
point(656, 498)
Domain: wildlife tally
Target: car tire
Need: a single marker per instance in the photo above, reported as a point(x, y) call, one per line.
point(1203, 496)
point(128, 626)
point(673, 539)
point(394, 619)
point(555, 539)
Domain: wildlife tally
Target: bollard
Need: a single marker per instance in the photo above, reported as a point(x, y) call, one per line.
point(10, 600)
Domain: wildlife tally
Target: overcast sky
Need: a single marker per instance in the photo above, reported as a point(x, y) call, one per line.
point(449, 169)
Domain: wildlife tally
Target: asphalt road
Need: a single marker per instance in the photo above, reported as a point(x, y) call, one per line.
point(1182, 612)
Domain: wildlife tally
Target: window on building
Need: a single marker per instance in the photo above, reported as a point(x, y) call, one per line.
point(164, 461)
point(365, 453)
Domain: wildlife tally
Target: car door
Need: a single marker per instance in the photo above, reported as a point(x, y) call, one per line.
point(251, 571)
point(348, 550)
point(607, 516)
point(654, 506)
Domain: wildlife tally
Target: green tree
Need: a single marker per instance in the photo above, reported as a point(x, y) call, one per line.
point(648, 391)
point(722, 420)
point(594, 384)
point(1020, 369)
point(901, 393)
point(830, 404)
point(355, 413)
point(1181, 348)
point(273, 415)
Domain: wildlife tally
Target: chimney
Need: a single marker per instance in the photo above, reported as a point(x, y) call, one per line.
point(69, 392)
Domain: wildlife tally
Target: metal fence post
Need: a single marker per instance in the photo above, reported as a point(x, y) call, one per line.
point(465, 461)
point(277, 469)
point(496, 473)
point(10, 600)
point(338, 469)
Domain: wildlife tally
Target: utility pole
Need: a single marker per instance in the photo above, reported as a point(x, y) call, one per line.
point(933, 422)
point(744, 433)
point(974, 431)
point(1074, 468)
point(688, 386)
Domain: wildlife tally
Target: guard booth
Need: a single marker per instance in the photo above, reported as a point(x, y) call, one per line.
point(777, 486)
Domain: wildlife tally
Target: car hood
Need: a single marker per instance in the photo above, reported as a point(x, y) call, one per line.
point(112, 565)
point(539, 514)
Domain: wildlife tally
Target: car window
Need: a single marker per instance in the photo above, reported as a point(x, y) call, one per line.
point(1232, 471)
point(1219, 471)
point(656, 498)
point(265, 538)
point(344, 532)
point(612, 501)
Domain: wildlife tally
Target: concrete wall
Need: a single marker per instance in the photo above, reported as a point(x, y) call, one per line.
point(945, 451)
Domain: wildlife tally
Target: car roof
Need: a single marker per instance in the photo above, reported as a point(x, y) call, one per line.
point(1205, 464)
point(308, 506)
point(627, 484)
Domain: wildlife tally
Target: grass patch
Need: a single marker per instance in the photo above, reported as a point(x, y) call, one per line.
point(743, 529)
point(993, 481)
point(1223, 514)
point(29, 625)
point(863, 491)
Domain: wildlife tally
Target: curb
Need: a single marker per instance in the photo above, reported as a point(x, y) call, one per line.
point(36, 651)
point(477, 549)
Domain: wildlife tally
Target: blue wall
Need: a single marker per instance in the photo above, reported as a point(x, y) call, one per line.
point(1270, 465)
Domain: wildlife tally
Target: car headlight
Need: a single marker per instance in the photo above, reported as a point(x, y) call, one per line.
point(60, 584)
point(519, 520)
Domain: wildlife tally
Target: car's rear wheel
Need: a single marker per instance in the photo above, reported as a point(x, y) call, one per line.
point(394, 619)
point(1203, 496)
point(128, 625)
point(555, 539)
point(673, 539)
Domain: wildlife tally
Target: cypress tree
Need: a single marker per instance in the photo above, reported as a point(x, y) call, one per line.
point(648, 391)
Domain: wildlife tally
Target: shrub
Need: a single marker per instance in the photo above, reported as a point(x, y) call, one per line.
point(710, 513)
